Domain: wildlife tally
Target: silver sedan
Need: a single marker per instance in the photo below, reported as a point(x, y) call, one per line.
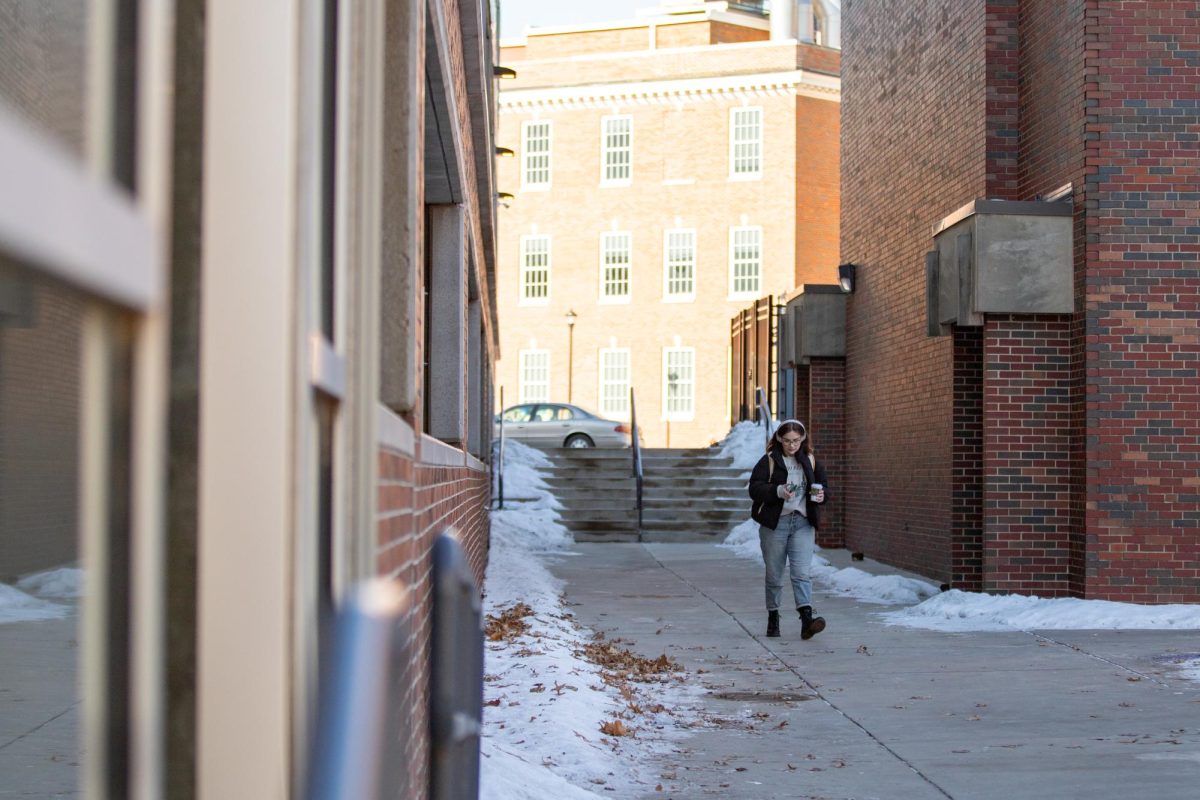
point(550, 425)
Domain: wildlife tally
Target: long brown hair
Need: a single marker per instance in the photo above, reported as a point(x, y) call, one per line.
point(785, 427)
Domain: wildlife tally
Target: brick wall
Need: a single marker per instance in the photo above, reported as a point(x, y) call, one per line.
point(913, 146)
point(1142, 300)
point(818, 189)
point(1071, 440)
point(418, 502)
point(825, 418)
point(966, 511)
point(1028, 530)
point(39, 436)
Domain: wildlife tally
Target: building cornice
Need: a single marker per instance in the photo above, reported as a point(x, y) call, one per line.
point(687, 90)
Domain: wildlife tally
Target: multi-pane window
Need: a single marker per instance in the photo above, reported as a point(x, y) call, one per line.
point(615, 257)
point(679, 264)
point(535, 154)
point(679, 383)
point(535, 269)
point(614, 382)
point(616, 150)
point(534, 380)
point(745, 142)
point(745, 260)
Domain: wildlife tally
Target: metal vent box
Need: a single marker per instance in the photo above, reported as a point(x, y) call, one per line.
point(1000, 257)
point(818, 318)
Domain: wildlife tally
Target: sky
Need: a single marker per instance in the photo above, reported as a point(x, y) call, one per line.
point(516, 15)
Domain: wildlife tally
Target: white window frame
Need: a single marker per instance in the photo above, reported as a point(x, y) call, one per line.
point(668, 295)
point(683, 415)
point(527, 156)
point(525, 300)
point(619, 410)
point(755, 143)
point(525, 387)
point(606, 150)
point(734, 292)
point(605, 239)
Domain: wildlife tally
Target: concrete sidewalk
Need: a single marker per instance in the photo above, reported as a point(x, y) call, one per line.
point(867, 710)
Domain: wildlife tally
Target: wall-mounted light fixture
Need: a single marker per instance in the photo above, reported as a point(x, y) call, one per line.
point(504, 73)
point(846, 277)
point(504, 152)
point(505, 198)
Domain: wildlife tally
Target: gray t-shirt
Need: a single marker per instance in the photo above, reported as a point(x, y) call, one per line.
point(798, 485)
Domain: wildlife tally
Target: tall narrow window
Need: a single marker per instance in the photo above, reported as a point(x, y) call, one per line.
point(679, 383)
point(535, 154)
point(614, 382)
point(745, 260)
point(616, 150)
point(534, 384)
point(615, 257)
point(745, 143)
point(535, 270)
point(679, 265)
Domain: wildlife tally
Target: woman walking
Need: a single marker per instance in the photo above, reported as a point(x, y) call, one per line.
point(788, 488)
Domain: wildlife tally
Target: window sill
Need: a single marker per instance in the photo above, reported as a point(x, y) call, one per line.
point(680, 298)
point(539, 302)
point(616, 184)
point(615, 301)
point(745, 176)
point(536, 187)
point(743, 296)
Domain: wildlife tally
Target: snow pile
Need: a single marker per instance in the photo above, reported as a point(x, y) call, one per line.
point(967, 611)
point(17, 606)
point(522, 481)
point(545, 704)
point(745, 444)
point(850, 582)
point(64, 582)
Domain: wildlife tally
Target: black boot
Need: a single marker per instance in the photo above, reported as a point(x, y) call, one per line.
point(810, 626)
point(772, 623)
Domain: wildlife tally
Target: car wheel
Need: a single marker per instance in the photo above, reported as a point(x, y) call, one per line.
point(579, 440)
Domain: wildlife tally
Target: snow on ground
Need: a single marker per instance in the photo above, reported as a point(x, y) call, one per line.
point(850, 581)
point(970, 611)
point(64, 582)
point(545, 704)
point(745, 444)
point(954, 610)
point(17, 606)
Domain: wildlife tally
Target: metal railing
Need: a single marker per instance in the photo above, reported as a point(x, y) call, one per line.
point(764, 412)
point(498, 461)
point(360, 735)
point(637, 458)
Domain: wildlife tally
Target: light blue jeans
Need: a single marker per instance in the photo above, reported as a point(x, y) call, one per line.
point(791, 543)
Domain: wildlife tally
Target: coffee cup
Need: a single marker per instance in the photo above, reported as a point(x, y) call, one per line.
point(815, 490)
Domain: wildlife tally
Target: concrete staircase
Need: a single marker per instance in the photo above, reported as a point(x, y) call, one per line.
point(688, 495)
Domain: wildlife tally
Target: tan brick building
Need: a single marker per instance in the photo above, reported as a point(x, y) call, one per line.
point(669, 170)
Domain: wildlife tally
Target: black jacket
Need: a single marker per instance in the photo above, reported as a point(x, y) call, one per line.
point(764, 489)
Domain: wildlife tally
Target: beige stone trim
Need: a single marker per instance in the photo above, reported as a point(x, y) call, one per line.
point(691, 90)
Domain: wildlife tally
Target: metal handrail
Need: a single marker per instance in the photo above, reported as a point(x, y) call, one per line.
point(764, 411)
point(498, 463)
point(637, 458)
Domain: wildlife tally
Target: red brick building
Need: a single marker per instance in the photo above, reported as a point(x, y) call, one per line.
point(1050, 452)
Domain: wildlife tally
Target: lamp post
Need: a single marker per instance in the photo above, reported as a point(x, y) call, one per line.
point(571, 317)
